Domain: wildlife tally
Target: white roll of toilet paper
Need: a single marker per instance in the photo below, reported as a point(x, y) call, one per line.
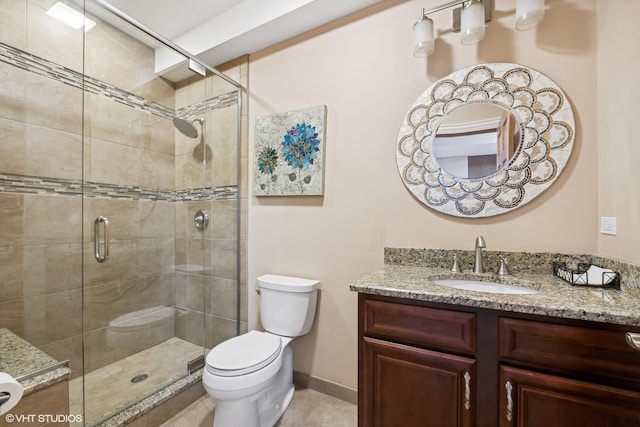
point(9, 385)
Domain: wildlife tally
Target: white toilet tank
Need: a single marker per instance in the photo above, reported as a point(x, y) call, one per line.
point(287, 304)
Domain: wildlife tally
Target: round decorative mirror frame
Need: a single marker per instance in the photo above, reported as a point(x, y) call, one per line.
point(547, 136)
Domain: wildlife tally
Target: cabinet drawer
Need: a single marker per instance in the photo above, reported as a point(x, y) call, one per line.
point(599, 354)
point(425, 326)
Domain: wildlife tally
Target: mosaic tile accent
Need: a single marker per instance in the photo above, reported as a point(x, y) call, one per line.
point(198, 109)
point(546, 125)
point(52, 186)
point(42, 67)
point(61, 187)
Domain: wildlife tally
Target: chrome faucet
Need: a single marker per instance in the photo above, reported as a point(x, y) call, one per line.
point(477, 264)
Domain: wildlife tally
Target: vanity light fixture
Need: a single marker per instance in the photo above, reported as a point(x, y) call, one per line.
point(70, 16)
point(469, 19)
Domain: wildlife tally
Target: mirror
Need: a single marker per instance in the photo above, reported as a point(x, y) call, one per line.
point(485, 140)
point(476, 140)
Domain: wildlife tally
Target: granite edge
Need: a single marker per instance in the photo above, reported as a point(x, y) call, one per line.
point(149, 403)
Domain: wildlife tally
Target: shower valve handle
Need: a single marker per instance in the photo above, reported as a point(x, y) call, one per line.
point(201, 220)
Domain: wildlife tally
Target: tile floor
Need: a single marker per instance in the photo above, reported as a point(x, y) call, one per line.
point(308, 408)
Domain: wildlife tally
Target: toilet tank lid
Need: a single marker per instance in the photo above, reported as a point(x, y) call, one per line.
point(287, 283)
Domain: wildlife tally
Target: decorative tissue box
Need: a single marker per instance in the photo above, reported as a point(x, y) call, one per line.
point(587, 275)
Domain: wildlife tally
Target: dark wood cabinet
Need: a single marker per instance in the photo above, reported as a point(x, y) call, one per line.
point(437, 365)
point(414, 387)
point(531, 399)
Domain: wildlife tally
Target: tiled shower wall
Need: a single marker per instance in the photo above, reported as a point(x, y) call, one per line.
point(141, 175)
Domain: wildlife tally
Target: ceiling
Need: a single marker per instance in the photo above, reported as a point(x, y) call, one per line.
point(217, 31)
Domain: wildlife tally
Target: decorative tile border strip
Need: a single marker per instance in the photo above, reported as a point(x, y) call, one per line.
point(221, 101)
point(18, 184)
point(45, 68)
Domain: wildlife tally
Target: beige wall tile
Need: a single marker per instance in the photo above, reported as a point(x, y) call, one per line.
point(224, 167)
point(157, 89)
point(160, 135)
point(224, 219)
point(13, 92)
point(115, 57)
point(197, 293)
point(12, 141)
point(113, 163)
point(67, 349)
point(52, 317)
point(221, 127)
point(157, 171)
point(49, 269)
point(122, 264)
point(52, 220)
point(12, 225)
point(224, 259)
point(51, 39)
point(218, 329)
point(13, 15)
point(156, 256)
point(199, 253)
point(12, 315)
point(115, 122)
point(223, 298)
point(42, 93)
point(157, 219)
point(11, 272)
point(52, 153)
point(190, 91)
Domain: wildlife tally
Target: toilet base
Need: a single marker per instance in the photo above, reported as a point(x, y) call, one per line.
point(263, 409)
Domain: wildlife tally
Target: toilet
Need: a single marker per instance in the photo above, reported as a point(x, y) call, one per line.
point(251, 376)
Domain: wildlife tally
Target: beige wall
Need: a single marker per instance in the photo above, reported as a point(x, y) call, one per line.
point(618, 147)
point(362, 68)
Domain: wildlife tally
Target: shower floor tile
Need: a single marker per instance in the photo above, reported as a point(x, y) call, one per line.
point(110, 387)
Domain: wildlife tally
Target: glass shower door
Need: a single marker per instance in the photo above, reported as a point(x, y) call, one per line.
point(136, 337)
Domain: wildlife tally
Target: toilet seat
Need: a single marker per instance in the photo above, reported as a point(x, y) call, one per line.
point(243, 354)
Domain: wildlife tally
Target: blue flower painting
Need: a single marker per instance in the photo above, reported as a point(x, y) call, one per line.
point(300, 146)
point(289, 149)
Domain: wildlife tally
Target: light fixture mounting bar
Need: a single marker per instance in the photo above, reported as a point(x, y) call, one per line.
point(443, 7)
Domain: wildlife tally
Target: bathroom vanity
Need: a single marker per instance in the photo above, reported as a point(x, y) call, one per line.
point(430, 355)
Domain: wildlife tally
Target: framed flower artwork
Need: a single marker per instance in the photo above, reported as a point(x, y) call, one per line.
point(289, 153)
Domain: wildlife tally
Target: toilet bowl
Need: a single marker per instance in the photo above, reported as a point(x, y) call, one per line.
point(251, 376)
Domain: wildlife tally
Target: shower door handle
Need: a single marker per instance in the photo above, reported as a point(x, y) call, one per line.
point(96, 237)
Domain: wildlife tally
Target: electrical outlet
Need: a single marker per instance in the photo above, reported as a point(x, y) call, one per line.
point(608, 225)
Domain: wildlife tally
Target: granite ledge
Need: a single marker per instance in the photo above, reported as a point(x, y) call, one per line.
point(19, 358)
point(145, 406)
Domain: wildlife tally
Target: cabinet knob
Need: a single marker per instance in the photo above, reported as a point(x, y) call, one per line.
point(633, 339)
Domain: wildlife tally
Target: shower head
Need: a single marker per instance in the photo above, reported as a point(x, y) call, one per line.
point(186, 127)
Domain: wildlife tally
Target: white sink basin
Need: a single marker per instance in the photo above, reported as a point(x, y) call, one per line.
point(490, 287)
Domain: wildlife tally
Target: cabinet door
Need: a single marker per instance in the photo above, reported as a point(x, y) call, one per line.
point(533, 399)
point(405, 386)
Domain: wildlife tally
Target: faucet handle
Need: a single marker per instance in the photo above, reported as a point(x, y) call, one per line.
point(454, 267)
point(503, 271)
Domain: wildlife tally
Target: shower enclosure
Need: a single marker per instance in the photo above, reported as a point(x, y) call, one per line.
point(119, 232)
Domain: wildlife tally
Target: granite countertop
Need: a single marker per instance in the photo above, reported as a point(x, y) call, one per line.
point(18, 358)
point(556, 297)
